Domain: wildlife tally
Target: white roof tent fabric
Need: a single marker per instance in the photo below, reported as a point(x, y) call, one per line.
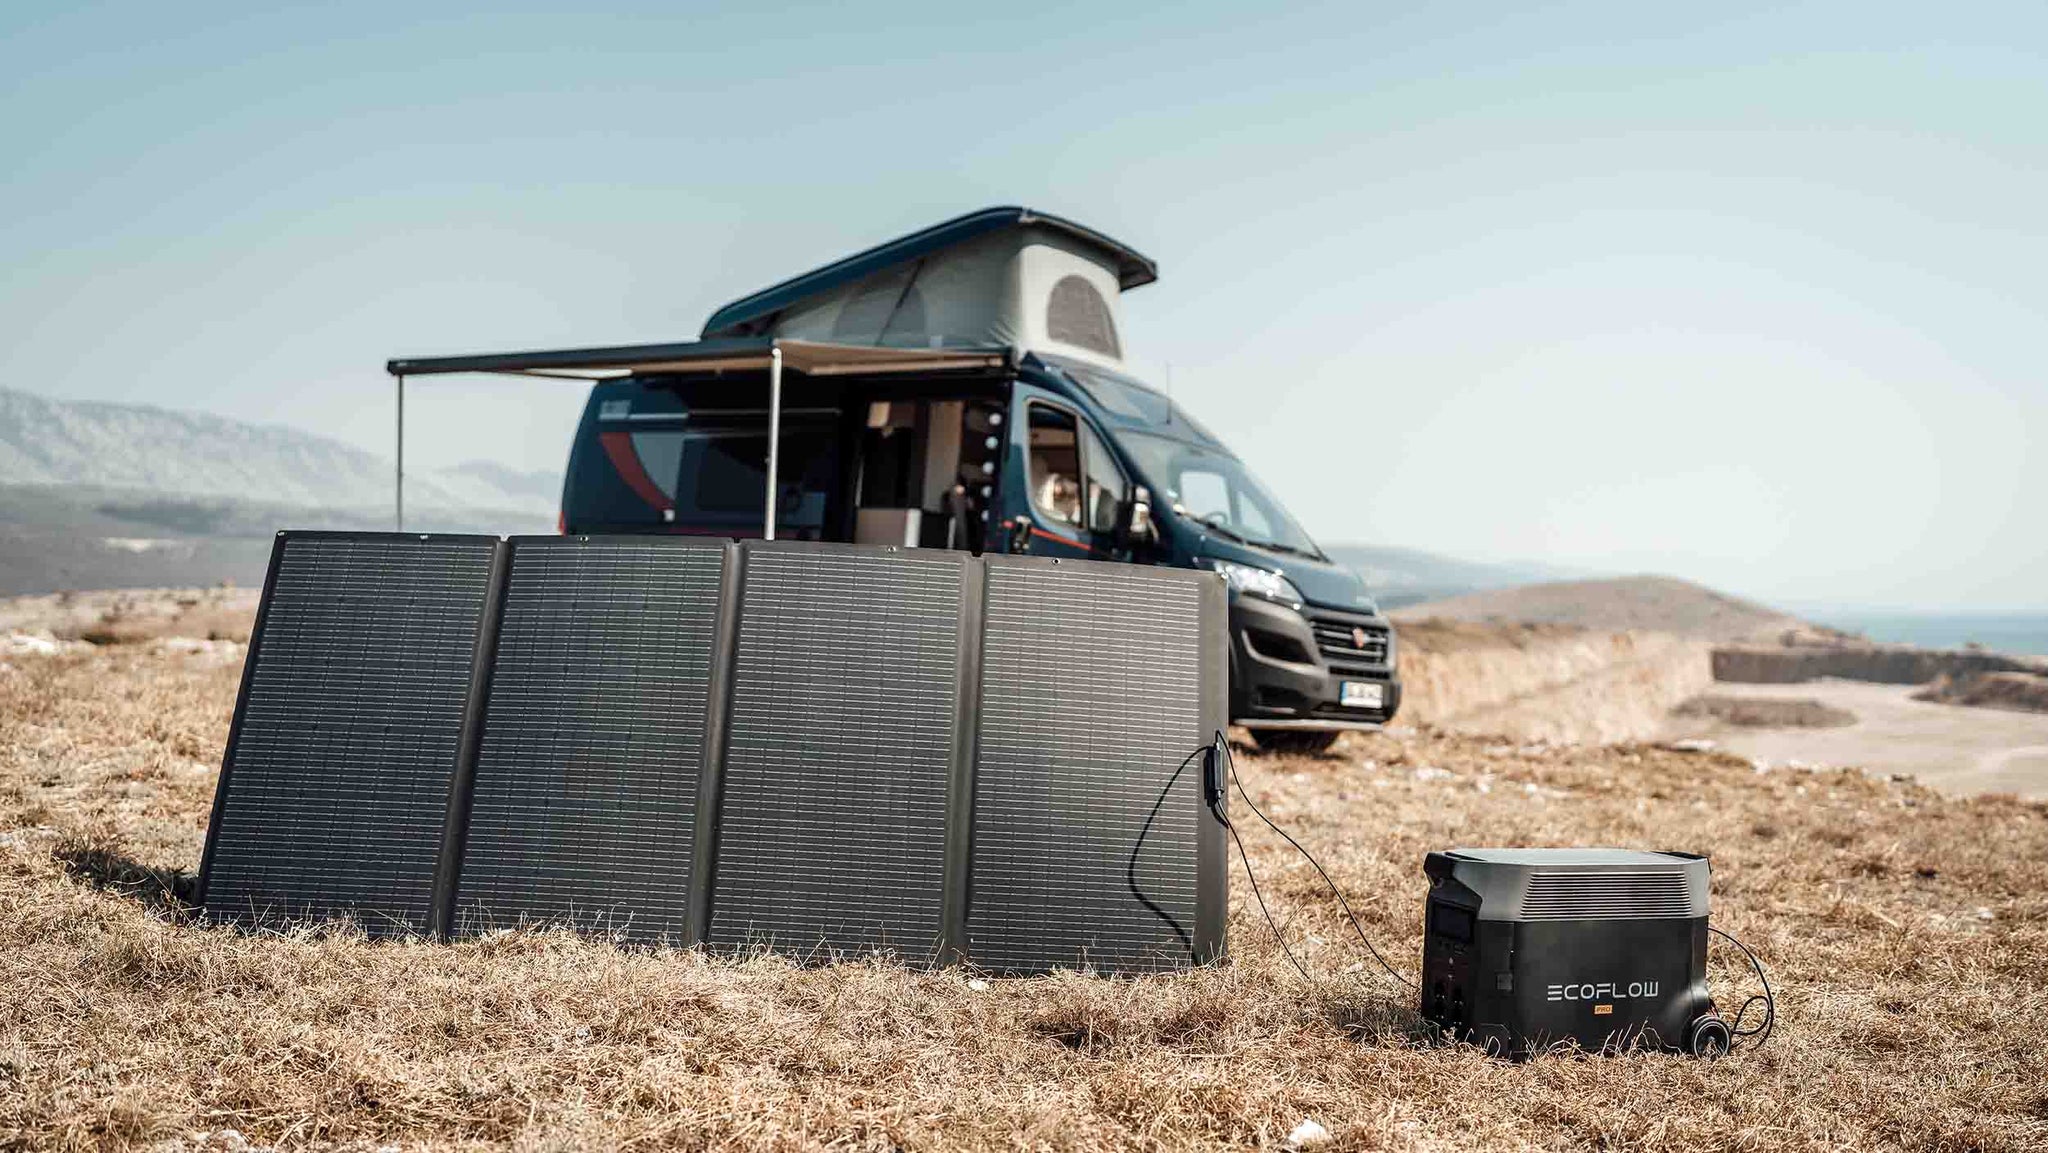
point(1000, 276)
point(966, 293)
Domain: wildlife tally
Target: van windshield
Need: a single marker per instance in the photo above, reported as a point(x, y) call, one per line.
point(1215, 489)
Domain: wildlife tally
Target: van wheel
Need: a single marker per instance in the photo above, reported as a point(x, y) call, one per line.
point(1298, 742)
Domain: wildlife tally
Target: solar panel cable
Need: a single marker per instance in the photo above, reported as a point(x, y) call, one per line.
point(1218, 751)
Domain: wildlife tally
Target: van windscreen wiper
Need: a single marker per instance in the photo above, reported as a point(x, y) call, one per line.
point(1276, 546)
point(1226, 530)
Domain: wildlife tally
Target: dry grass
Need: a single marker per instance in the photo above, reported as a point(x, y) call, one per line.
point(135, 616)
point(1909, 933)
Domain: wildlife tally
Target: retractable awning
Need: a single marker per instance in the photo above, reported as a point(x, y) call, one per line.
point(722, 354)
point(718, 355)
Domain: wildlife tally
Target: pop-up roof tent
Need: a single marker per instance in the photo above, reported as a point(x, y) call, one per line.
point(970, 292)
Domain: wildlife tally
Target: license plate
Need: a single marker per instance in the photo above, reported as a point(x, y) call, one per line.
point(1363, 695)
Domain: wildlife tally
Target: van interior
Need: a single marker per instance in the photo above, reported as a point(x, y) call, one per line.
point(909, 461)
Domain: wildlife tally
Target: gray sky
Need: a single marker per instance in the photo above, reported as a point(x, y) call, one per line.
point(1752, 298)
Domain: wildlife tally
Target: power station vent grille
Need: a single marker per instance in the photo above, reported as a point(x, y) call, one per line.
point(1570, 896)
point(585, 794)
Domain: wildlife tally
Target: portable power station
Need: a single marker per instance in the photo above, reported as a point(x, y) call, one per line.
point(1527, 948)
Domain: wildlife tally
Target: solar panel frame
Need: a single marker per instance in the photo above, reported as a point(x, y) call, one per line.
point(581, 807)
point(402, 899)
point(941, 715)
point(884, 850)
point(1037, 815)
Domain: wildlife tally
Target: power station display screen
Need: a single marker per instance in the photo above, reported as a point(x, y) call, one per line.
point(1452, 922)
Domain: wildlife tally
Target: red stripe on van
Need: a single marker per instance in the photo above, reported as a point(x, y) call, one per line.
point(619, 447)
point(1036, 531)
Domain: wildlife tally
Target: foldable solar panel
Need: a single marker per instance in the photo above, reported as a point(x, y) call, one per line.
point(841, 742)
point(820, 748)
point(584, 798)
point(1092, 845)
point(333, 795)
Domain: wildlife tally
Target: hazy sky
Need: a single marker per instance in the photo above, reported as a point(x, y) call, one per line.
point(1754, 298)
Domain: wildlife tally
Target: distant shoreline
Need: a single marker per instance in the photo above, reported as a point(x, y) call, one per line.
point(2008, 633)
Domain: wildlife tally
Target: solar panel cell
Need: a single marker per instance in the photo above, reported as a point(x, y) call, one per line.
point(335, 786)
point(1087, 814)
point(845, 685)
point(584, 802)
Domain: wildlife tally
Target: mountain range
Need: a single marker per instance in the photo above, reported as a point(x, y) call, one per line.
point(174, 454)
point(100, 494)
point(97, 494)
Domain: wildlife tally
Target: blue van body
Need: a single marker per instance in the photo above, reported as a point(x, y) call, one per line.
point(1311, 654)
point(960, 387)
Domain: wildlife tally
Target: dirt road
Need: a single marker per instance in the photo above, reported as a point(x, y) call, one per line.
point(1950, 747)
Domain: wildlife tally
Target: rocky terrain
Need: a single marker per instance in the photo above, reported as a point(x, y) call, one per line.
point(1765, 712)
point(1652, 658)
point(2025, 692)
point(1800, 660)
point(1544, 681)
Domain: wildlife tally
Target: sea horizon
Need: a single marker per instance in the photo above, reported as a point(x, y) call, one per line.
point(2014, 632)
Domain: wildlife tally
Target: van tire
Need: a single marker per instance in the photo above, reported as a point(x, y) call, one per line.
point(1296, 742)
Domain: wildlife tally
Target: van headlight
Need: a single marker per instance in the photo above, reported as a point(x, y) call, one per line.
point(1253, 581)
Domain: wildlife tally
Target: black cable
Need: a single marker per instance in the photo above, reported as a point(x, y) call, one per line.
point(1131, 869)
point(1762, 1029)
point(1222, 747)
point(1279, 936)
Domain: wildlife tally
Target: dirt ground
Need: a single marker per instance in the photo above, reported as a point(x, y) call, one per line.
point(1954, 748)
point(1906, 930)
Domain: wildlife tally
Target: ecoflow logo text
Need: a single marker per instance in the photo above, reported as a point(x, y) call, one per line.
point(1603, 991)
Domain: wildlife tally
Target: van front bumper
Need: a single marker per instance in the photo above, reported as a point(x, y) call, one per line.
point(1287, 668)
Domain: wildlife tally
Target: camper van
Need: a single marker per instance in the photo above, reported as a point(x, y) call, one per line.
point(964, 387)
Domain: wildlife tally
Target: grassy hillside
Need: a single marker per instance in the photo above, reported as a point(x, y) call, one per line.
point(1647, 603)
point(1907, 932)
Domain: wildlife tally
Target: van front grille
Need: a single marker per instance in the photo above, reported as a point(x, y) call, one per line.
point(1349, 642)
point(1584, 896)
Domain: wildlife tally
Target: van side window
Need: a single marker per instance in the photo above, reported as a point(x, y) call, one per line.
point(1055, 465)
point(1105, 482)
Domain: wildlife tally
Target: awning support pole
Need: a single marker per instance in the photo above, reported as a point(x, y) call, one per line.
point(774, 433)
point(398, 488)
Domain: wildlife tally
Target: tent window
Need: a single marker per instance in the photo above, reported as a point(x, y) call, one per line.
point(1078, 315)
